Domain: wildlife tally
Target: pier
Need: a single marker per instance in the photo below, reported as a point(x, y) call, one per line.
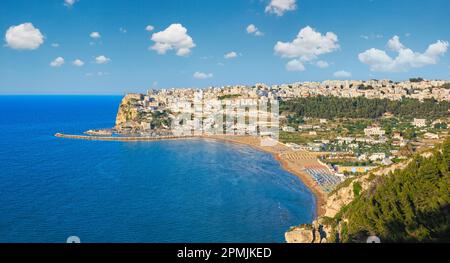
point(123, 139)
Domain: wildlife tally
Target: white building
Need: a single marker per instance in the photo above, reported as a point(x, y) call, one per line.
point(420, 123)
point(377, 156)
point(288, 129)
point(371, 131)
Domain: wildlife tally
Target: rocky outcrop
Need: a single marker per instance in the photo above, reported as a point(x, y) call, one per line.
point(299, 235)
point(314, 233)
point(128, 114)
point(345, 195)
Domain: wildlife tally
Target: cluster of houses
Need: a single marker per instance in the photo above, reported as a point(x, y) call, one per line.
point(181, 100)
point(203, 111)
point(235, 111)
point(362, 149)
point(382, 89)
point(372, 89)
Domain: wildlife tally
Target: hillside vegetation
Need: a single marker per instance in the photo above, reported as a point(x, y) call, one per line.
point(409, 205)
point(360, 107)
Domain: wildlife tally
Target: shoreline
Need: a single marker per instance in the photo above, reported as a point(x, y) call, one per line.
point(277, 153)
point(319, 195)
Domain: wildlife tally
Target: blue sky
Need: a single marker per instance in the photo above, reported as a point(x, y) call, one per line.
point(356, 46)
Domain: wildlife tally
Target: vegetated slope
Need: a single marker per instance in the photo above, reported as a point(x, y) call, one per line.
point(360, 107)
point(409, 205)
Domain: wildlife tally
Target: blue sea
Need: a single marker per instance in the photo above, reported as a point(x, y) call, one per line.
point(167, 191)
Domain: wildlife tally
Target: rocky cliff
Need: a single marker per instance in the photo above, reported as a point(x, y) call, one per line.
point(310, 233)
point(128, 114)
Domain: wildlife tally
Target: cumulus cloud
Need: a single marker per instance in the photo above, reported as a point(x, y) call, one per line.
point(308, 45)
point(230, 55)
point(394, 44)
point(202, 75)
point(78, 63)
point(253, 30)
point(295, 65)
point(379, 60)
point(322, 64)
point(55, 45)
point(58, 62)
point(174, 37)
point(342, 74)
point(149, 28)
point(102, 60)
point(279, 7)
point(24, 36)
point(95, 35)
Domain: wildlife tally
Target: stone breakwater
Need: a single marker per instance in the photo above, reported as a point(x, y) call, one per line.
point(122, 138)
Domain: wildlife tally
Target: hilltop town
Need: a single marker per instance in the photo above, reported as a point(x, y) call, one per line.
point(166, 101)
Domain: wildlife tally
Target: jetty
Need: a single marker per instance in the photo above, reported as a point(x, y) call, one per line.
point(123, 138)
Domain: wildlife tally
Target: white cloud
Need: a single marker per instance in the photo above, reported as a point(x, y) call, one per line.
point(58, 62)
point(123, 30)
point(394, 44)
point(279, 7)
point(230, 55)
point(149, 28)
point(95, 35)
point(24, 36)
point(379, 60)
point(102, 60)
point(342, 74)
point(308, 45)
point(322, 64)
point(78, 63)
point(202, 75)
point(69, 3)
point(295, 65)
point(174, 37)
point(253, 30)
point(55, 45)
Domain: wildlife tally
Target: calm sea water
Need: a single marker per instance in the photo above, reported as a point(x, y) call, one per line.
point(174, 191)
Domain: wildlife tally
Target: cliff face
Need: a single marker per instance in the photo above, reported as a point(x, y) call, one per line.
point(127, 115)
point(314, 233)
point(321, 229)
